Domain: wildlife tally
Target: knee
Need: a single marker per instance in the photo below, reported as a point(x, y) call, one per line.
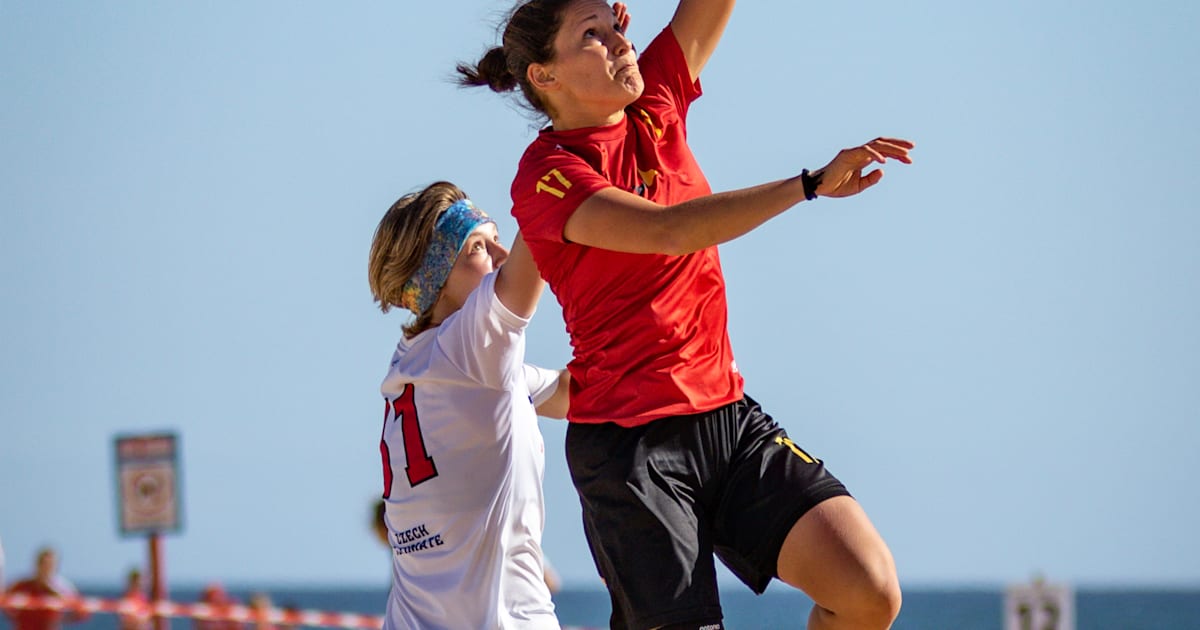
point(881, 604)
point(869, 601)
point(875, 602)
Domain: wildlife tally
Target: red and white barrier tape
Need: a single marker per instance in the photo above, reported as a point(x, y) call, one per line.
point(207, 612)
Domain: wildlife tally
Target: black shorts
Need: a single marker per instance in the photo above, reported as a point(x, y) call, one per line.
point(658, 500)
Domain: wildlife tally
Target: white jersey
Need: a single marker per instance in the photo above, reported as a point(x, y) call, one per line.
point(463, 491)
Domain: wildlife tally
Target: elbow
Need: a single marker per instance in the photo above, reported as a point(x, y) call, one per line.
point(553, 409)
point(553, 412)
point(677, 247)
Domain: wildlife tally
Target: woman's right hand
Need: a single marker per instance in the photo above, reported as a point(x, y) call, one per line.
point(843, 176)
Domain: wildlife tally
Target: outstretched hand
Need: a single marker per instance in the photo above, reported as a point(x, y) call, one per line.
point(843, 176)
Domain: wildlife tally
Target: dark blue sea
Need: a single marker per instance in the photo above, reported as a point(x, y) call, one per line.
point(924, 609)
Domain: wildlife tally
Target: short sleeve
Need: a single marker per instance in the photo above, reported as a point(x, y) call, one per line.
point(484, 340)
point(550, 185)
point(665, 71)
point(542, 383)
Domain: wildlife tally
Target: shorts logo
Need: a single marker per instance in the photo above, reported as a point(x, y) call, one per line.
point(808, 459)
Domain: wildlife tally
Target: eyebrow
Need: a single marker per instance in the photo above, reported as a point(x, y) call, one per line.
point(582, 21)
point(486, 235)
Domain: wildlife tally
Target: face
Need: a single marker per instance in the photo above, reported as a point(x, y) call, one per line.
point(481, 254)
point(595, 70)
point(47, 564)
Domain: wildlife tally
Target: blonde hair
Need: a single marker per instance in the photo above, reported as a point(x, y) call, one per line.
point(399, 245)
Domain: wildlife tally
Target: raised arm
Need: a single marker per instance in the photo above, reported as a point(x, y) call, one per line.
point(518, 284)
point(621, 221)
point(698, 25)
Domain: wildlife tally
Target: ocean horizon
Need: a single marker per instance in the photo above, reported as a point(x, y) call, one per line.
point(925, 608)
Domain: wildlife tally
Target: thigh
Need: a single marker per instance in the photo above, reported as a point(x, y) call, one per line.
point(772, 483)
point(647, 535)
point(834, 553)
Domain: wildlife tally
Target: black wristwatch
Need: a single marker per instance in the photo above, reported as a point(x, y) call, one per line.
point(810, 183)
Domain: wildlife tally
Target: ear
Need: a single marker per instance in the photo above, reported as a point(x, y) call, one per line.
point(541, 77)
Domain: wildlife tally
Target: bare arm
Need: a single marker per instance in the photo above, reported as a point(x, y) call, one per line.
point(621, 221)
point(698, 25)
point(518, 285)
point(556, 405)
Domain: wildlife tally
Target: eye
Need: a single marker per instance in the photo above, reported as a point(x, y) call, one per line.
point(590, 33)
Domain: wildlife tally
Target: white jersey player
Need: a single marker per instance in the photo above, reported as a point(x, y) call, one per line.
point(463, 458)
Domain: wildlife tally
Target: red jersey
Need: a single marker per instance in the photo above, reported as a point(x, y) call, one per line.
point(140, 618)
point(43, 618)
point(649, 331)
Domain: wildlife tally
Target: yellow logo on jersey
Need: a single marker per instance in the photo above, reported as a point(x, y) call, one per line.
point(648, 176)
point(543, 184)
point(650, 123)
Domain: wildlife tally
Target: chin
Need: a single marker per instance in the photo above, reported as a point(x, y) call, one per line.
point(635, 86)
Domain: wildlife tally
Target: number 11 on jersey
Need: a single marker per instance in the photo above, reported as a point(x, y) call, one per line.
point(419, 465)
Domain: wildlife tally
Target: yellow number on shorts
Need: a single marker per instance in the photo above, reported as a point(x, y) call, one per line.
point(542, 186)
point(809, 459)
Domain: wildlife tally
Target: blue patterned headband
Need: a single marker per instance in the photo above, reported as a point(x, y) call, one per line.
point(453, 227)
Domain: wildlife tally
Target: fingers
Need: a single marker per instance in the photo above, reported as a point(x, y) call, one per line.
point(874, 153)
point(621, 13)
point(870, 179)
point(857, 158)
point(852, 184)
point(843, 176)
point(895, 148)
point(900, 142)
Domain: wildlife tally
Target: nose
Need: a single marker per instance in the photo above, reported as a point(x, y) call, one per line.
point(620, 45)
point(498, 252)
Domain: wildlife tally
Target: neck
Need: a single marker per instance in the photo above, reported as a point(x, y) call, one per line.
point(441, 310)
point(580, 120)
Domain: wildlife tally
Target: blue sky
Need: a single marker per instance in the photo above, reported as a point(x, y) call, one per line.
point(997, 348)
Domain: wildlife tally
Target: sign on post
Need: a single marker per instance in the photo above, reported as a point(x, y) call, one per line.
point(148, 484)
point(1039, 606)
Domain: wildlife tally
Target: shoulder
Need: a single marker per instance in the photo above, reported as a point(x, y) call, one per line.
point(665, 43)
point(557, 150)
point(22, 586)
point(484, 308)
point(553, 182)
point(664, 51)
point(665, 70)
point(62, 585)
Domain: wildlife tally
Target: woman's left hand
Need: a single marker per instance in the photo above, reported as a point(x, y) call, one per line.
point(843, 176)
